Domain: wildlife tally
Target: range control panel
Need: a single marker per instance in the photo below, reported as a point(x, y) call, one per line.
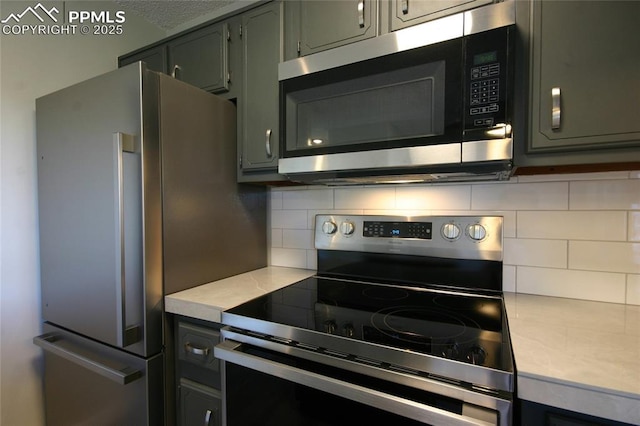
point(458, 237)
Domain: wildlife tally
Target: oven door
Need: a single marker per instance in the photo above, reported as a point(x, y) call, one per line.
point(263, 387)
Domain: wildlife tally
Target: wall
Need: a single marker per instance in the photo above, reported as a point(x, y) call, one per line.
point(32, 66)
point(575, 236)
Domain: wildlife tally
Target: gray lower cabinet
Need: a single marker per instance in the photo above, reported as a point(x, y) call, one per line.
point(258, 136)
point(585, 106)
point(317, 25)
point(404, 13)
point(199, 396)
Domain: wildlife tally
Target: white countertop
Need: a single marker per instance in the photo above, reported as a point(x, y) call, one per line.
point(207, 301)
point(578, 355)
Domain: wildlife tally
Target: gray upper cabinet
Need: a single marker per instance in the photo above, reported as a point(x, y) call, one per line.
point(201, 58)
point(258, 141)
point(317, 25)
point(404, 13)
point(585, 77)
point(155, 58)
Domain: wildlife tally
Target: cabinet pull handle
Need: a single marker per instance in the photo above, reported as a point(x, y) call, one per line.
point(174, 72)
point(555, 108)
point(195, 350)
point(361, 13)
point(207, 418)
point(405, 7)
point(268, 143)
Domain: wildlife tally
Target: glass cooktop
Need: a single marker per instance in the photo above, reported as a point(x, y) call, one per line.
point(450, 324)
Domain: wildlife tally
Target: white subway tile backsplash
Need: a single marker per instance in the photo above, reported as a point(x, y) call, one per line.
point(365, 198)
point(291, 258)
point(520, 196)
point(573, 225)
point(297, 238)
point(605, 195)
point(447, 197)
point(509, 278)
point(289, 219)
point(634, 226)
point(601, 286)
point(276, 237)
point(311, 199)
point(275, 200)
point(633, 289)
point(530, 252)
point(605, 256)
point(572, 236)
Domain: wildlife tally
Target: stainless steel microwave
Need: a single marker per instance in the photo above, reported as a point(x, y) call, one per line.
point(431, 102)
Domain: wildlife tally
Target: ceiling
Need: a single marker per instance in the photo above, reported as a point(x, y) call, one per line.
point(169, 14)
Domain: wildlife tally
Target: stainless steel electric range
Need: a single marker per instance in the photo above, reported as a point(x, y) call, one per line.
point(403, 324)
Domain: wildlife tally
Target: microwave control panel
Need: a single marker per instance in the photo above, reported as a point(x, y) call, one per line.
point(488, 64)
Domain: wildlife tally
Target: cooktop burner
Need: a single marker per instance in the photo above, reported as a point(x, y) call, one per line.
point(453, 325)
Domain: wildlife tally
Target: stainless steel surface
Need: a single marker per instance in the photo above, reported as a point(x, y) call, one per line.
point(499, 14)
point(87, 383)
point(228, 351)
point(131, 184)
point(122, 376)
point(384, 158)
point(556, 108)
point(128, 231)
point(429, 155)
point(447, 28)
point(487, 150)
point(444, 242)
point(454, 370)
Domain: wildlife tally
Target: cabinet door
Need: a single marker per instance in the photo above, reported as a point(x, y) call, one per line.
point(201, 58)
point(405, 13)
point(155, 58)
point(332, 23)
point(259, 104)
point(586, 90)
point(199, 405)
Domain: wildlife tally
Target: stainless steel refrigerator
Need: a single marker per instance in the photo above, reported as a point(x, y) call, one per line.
point(137, 198)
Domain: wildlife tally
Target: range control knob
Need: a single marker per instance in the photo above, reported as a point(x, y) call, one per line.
point(450, 231)
point(330, 327)
point(451, 350)
point(476, 355)
point(347, 228)
point(329, 227)
point(477, 232)
point(348, 330)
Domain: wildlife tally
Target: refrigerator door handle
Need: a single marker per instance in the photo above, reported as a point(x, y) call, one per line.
point(122, 376)
point(126, 335)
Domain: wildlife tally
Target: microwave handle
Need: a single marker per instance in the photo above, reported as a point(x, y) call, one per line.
point(556, 110)
point(361, 13)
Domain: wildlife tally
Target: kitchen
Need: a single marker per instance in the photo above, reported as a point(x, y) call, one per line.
point(570, 235)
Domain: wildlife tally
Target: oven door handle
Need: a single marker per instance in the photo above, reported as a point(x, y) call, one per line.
point(231, 351)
